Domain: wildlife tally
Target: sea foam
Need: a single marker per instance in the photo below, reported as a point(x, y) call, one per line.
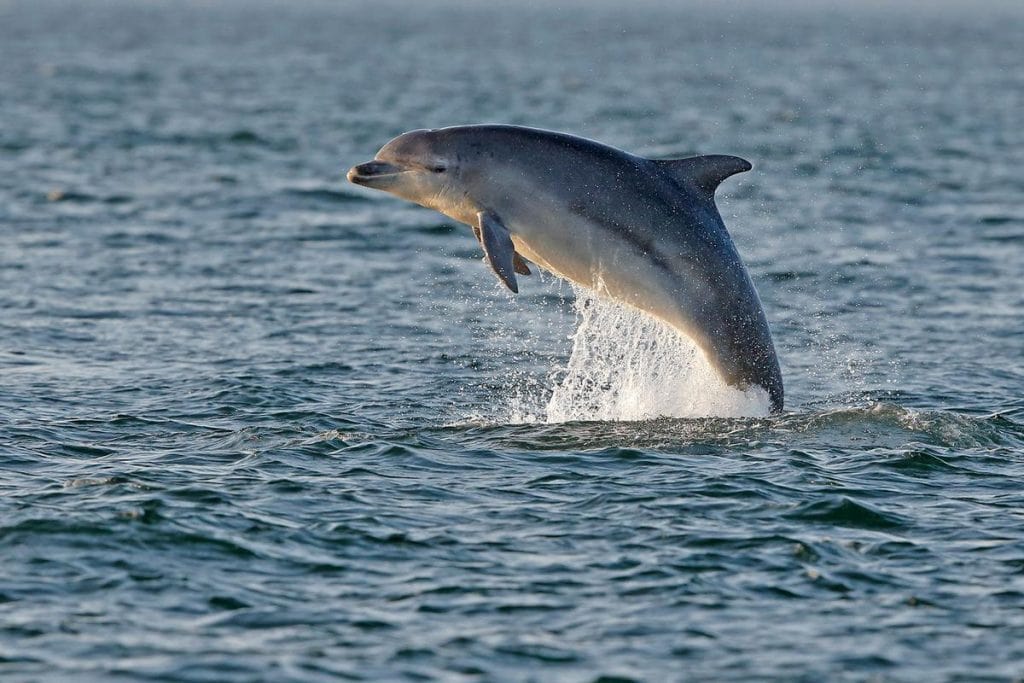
point(626, 365)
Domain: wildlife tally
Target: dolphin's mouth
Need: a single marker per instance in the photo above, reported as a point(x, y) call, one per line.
point(372, 172)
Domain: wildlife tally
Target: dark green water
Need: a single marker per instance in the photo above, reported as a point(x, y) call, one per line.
point(259, 424)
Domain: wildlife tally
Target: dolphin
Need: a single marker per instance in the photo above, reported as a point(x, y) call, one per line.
point(641, 231)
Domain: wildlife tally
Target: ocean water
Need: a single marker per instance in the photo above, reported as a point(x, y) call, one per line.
point(257, 424)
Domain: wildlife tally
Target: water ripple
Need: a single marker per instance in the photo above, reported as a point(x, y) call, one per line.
point(260, 424)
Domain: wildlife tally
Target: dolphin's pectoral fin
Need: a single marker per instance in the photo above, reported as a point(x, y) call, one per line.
point(706, 172)
point(519, 263)
point(498, 248)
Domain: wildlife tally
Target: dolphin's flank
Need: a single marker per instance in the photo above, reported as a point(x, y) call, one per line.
point(640, 231)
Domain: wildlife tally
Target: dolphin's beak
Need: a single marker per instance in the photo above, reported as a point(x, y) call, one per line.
point(373, 172)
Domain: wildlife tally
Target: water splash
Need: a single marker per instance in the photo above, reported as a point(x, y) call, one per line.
point(626, 365)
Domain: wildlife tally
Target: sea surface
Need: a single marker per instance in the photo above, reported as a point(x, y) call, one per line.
point(258, 424)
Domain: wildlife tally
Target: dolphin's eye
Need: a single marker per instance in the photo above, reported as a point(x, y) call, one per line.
point(439, 168)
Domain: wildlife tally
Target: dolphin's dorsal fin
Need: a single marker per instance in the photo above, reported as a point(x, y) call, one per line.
point(704, 172)
point(498, 248)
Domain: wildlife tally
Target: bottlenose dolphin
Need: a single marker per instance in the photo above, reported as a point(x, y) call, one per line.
point(641, 231)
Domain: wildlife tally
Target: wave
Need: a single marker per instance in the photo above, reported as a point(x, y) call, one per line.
point(324, 194)
point(921, 438)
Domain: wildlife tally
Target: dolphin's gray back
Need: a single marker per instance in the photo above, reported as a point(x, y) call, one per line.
point(665, 212)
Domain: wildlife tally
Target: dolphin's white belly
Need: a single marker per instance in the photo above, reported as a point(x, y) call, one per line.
point(593, 256)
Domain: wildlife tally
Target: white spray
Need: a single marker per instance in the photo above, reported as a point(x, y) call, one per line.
point(626, 365)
